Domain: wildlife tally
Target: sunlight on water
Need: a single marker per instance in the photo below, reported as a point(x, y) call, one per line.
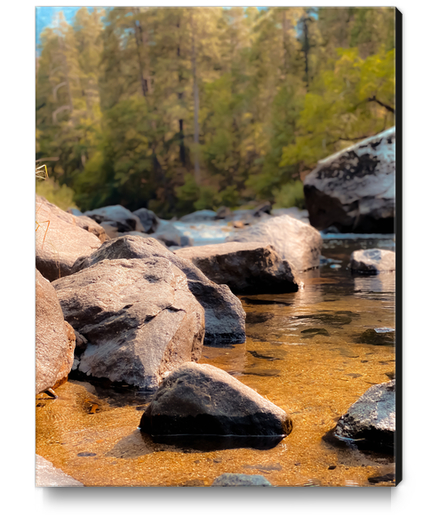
point(304, 352)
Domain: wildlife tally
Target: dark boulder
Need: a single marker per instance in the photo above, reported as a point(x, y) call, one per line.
point(354, 190)
point(138, 317)
point(371, 419)
point(245, 267)
point(205, 400)
point(224, 315)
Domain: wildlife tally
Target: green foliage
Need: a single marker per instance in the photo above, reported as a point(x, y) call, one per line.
point(61, 196)
point(290, 195)
point(179, 109)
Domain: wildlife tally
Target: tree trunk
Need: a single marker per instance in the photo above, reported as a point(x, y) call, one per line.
point(180, 97)
point(196, 105)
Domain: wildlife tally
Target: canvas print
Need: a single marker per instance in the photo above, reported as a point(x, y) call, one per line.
point(217, 233)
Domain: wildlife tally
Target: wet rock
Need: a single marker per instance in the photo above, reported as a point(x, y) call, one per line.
point(354, 190)
point(372, 261)
point(48, 475)
point(61, 241)
point(55, 340)
point(244, 267)
point(293, 240)
point(378, 336)
point(224, 314)
point(241, 480)
point(119, 217)
point(386, 478)
point(204, 400)
point(204, 215)
point(258, 318)
point(138, 315)
point(371, 419)
point(313, 331)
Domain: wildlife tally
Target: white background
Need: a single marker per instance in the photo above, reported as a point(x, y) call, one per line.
point(17, 96)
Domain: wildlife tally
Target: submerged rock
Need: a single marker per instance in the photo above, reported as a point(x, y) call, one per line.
point(55, 340)
point(371, 419)
point(204, 400)
point(378, 336)
point(293, 240)
point(354, 190)
point(60, 241)
point(372, 261)
point(224, 314)
point(244, 267)
point(138, 316)
point(241, 480)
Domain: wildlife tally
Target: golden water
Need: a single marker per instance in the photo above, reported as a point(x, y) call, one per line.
point(91, 432)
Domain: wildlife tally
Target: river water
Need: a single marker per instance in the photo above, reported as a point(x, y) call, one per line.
point(305, 352)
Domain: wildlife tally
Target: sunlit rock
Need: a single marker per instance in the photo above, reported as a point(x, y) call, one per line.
point(138, 316)
point(224, 315)
point(293, 240)
point(55, 339)
point(60, 240)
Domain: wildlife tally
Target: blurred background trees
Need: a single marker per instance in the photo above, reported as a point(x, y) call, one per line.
point(179, 109)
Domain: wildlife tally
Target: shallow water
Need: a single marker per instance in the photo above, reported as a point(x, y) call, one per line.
point(304, 352)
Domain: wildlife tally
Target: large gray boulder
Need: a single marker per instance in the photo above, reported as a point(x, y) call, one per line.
point(205, 400)
point(245, 267)
point(371, 418)
point(118, 216)
point(293, 240)
point(60, 242)
point(138, 316)
point(224, 314)
point(354, 190)
point(55, 340)
point(372, 261)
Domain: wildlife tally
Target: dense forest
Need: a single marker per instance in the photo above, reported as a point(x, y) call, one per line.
point(180, 109)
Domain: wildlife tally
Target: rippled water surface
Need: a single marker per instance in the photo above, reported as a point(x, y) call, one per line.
point(305, 352)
